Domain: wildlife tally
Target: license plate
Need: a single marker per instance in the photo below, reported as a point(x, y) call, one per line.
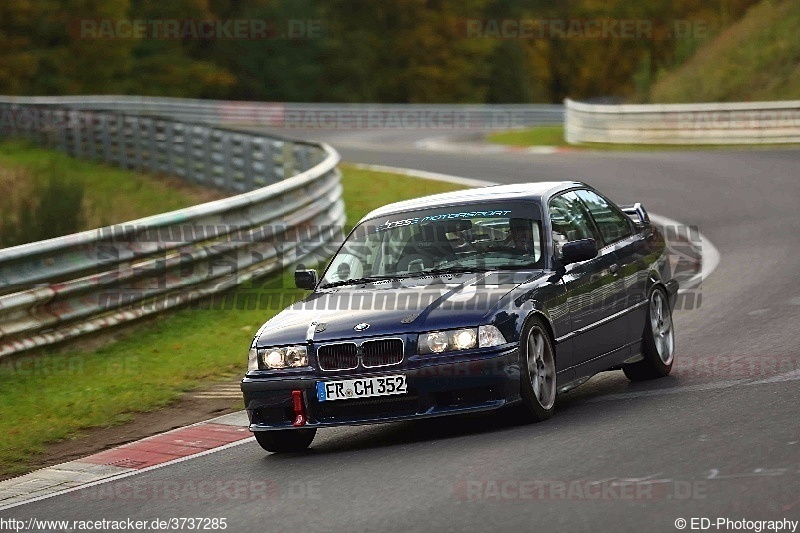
point(350, 389)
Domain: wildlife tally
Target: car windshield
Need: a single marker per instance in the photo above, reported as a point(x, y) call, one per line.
point(438, 241)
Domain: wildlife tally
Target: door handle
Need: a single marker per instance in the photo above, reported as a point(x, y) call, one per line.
point(614, 269)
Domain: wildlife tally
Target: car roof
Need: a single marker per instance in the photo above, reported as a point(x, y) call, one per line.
point(534, 191)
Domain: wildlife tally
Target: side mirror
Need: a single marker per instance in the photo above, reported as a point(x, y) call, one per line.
point(637, 212)
point(305, 278)
point(577, 251)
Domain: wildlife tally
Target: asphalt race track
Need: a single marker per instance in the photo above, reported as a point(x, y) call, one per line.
point(719, 438)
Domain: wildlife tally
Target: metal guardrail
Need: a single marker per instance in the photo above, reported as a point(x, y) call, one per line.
point(723, 123)
point(223, 158)
point(317, 116)
point(64, 287)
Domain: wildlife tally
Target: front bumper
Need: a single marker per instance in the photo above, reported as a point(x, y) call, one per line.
point(484, 381)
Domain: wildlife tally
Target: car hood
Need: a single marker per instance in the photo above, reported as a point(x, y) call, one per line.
point(392, 307)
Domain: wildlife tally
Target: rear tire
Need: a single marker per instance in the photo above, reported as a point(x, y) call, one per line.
point(658, 341)
point(537, 372)
point(286, 440)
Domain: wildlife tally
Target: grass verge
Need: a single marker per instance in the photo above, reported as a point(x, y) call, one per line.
point(554, 136)
point(540, 136)
point(56, 393)
point(108, 195)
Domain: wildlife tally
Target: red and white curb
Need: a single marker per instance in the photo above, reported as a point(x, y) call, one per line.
point(129, 459)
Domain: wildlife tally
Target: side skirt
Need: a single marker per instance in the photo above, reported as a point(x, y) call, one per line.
point(613, 360)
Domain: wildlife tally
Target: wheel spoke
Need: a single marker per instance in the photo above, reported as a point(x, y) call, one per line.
point(541, 368)
point(666, 326)
point(660, 346)
point(536, 389)
point(531, 356)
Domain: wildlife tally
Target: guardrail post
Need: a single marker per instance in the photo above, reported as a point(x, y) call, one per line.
point(122, 140)
point(188, 151)
point(247, 163)
point(63, 142)
point(152, 159)
point(168, 146)
point(89, 121)
point(105, 137)
point(139, 142)
point(276, 157)
point(77, 133)
point(204, 152)
point(228, 181)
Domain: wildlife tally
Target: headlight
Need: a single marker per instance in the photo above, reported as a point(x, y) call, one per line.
point(276, 358)
point(459, 339)
point(436, 342)
point(443, 341)
point(296, 356)
point(464, 339)
point(490, 336)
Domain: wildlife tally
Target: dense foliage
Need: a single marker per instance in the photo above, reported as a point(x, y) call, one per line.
point(353, 50)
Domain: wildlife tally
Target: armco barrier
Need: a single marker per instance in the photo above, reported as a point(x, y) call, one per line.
point(289, 209)
point(724, 123)
point(315, 116)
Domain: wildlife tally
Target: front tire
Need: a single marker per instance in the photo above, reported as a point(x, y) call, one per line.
point(658, 341)
point(285, 440)
point(537, 372)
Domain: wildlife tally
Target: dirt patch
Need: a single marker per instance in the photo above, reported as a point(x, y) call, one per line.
point(189, 409)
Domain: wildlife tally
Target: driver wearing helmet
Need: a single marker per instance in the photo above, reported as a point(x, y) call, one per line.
point(520, 236)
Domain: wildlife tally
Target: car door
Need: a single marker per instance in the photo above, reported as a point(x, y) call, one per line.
point(594, 292)
point(630, 248)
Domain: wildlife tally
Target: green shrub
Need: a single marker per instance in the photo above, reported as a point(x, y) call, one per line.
point(52, 207)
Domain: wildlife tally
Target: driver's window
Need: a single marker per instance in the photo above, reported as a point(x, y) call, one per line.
point(569, 220)
point(613, 224)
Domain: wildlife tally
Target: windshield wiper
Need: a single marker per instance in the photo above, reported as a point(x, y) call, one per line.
point(449, 270)
point(429, 272)
point(529, 266)
point(358, 281)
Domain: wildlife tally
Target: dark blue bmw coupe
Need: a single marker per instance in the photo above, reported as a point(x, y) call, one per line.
point(462, 302)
